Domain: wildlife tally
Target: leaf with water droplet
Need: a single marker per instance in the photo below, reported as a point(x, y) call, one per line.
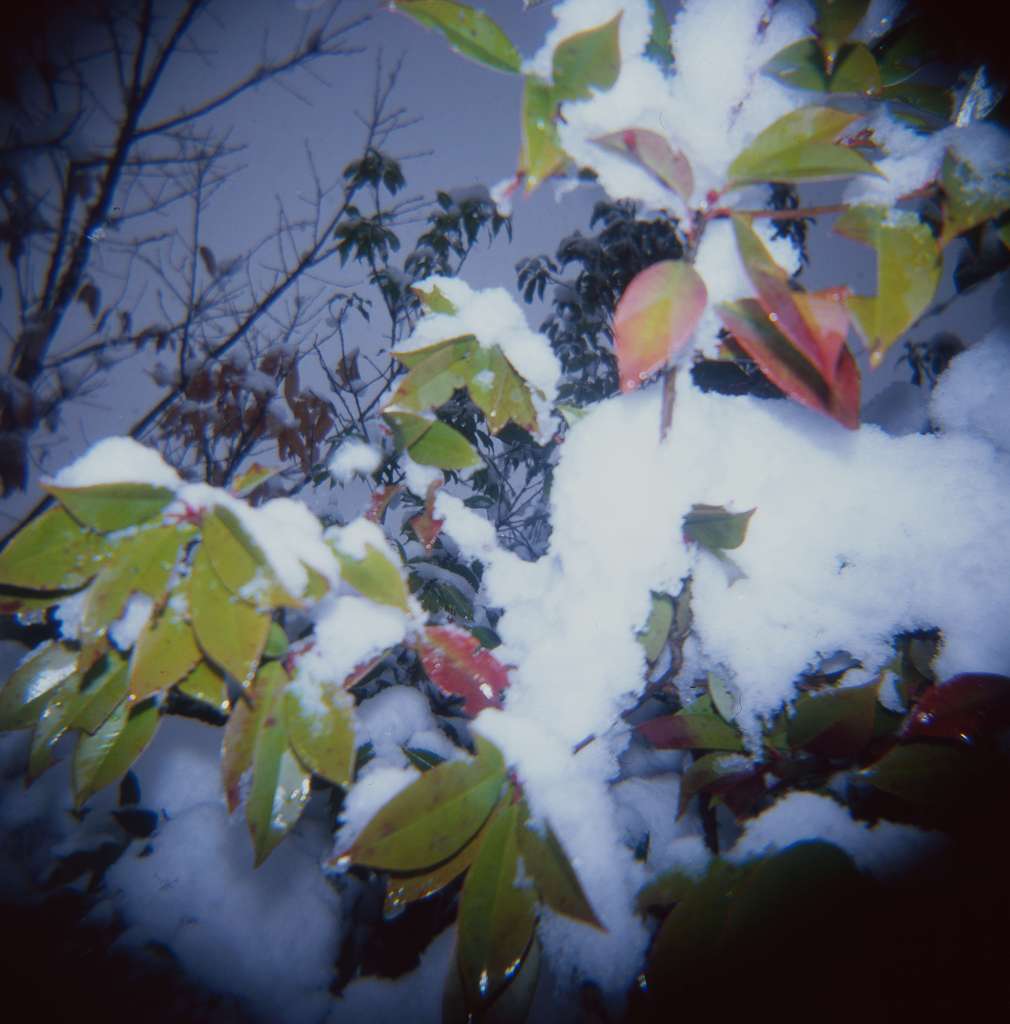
point(963, 708)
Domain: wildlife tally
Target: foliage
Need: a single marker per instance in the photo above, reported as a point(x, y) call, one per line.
point(162, 591)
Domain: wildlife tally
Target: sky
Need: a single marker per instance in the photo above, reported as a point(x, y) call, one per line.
point(189, 901)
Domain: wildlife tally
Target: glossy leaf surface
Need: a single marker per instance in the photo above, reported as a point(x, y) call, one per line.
point(434, 817)
point(323, 740)
point(456, 662)
point(963, 708)
point(106, 756)
point(544, 858)
point(908, 272)
point(108, 507)
point(496, 916)
point(470, 32)
point(207, 685)
point(587, 59)
point(164, 653)
point(52, 552)
point(237, 745)
point(654, 154)
point(27, 690)
point(800, 146)
point(57, 715)
point(655, 319)
point(102, 690)
point(231, 632)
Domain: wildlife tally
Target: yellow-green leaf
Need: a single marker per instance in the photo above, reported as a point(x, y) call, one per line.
point(800, 146)
point(375, 577)
point(502, 395)
point(52, 552)
point(836, 20)
point(541, 154)
point(108, 507)
point(247, 482)
point(280, 785)
point(61, 705)
point(141, 563)
point(164, 653)
point(434, 301)
point(206, 684)
point(908, 272)
point(470, 32)
point(33, 682)
point(240, 563)
point(545, 859)
point(433, 379)
point(434, 817)
point(102, 690)
point(106, 756)
point(715, 527)
point(856, 72)
point(442, 446)
point(237, 746)
point(496, 916)
point(229, 631)
point(801, 65)
point(969, 198)
point(586, 59)
point(323, 737)
point(655, 319)
point(655, 155)
point(656, 631)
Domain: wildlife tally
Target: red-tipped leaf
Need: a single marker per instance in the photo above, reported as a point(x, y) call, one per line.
point(456, 663)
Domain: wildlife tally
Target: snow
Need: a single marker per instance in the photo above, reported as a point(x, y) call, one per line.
point(377, 783)
point(354, 457)
point(117, 460)
point(396, 717)
point(125, 630)
point(886, 851)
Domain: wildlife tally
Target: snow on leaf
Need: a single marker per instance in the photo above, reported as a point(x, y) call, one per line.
point(229, 631)
point(800, 146)
point(589, 58)
point(505, 397)
point(655, 318)
point(375, 577)
point(968, 198)
point(434, 817)
point(52, 552)
point(106, 756)
point(31, 684)
point(470, 32)
point(541, 154)
point(556, 880)
point(455, 661)
point(908, 272)
point(962, 708)
point(654, 154)
point(425, 525)
point(108, 507)
point(165, 652)
point(496, 916)
point(324, 743)
point(379, 502)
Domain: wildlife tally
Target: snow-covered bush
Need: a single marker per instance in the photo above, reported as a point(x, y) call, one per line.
point(757, 628)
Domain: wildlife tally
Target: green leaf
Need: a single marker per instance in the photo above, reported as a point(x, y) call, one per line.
point(969, 198)
point(800, 146)
point(836, 20)
point(52, 552)
point(414, 357)
point(470, 32)
point(434, 301)
point(435, 816)
point(656, 632)
point(496, 917)
point(277, 642)
point(716, 528)
point(280, 785)
point(856, 72)
point(106, 756)
point(557, 883)
point(375, 577)
point(920, 773)
point(589, 58)
point(323, 737)
point(164, 653)
point(834, 723)
point(61, 705)
point(237, 745)
point(240, 563)
point(103, 689)
point(801, 65)
point(245, 483)
point(442, 446)
point(541, 154)
point(433, 379)
point(31, 685)
point(109, 507)
point(141, 563)
point(206, 684)
point(505, 397)
point(655, 319)
point(659, 48)
point(230, 632)
point(723, 699)
point(908, 272)
point(654, 155)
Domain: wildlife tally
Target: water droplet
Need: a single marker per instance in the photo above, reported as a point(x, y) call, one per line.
point(540, 123)
point(774, 317)
point(483, 983)
point(643, 982)
point(642, 375)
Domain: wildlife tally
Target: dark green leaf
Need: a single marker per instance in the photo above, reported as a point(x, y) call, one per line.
point(557, 883)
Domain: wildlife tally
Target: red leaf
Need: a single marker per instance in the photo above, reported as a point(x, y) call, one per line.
point(653, 153)
point(962, 708)
point(380, 501)
point(655, 318)
point(425, 526)
point(456, 663)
